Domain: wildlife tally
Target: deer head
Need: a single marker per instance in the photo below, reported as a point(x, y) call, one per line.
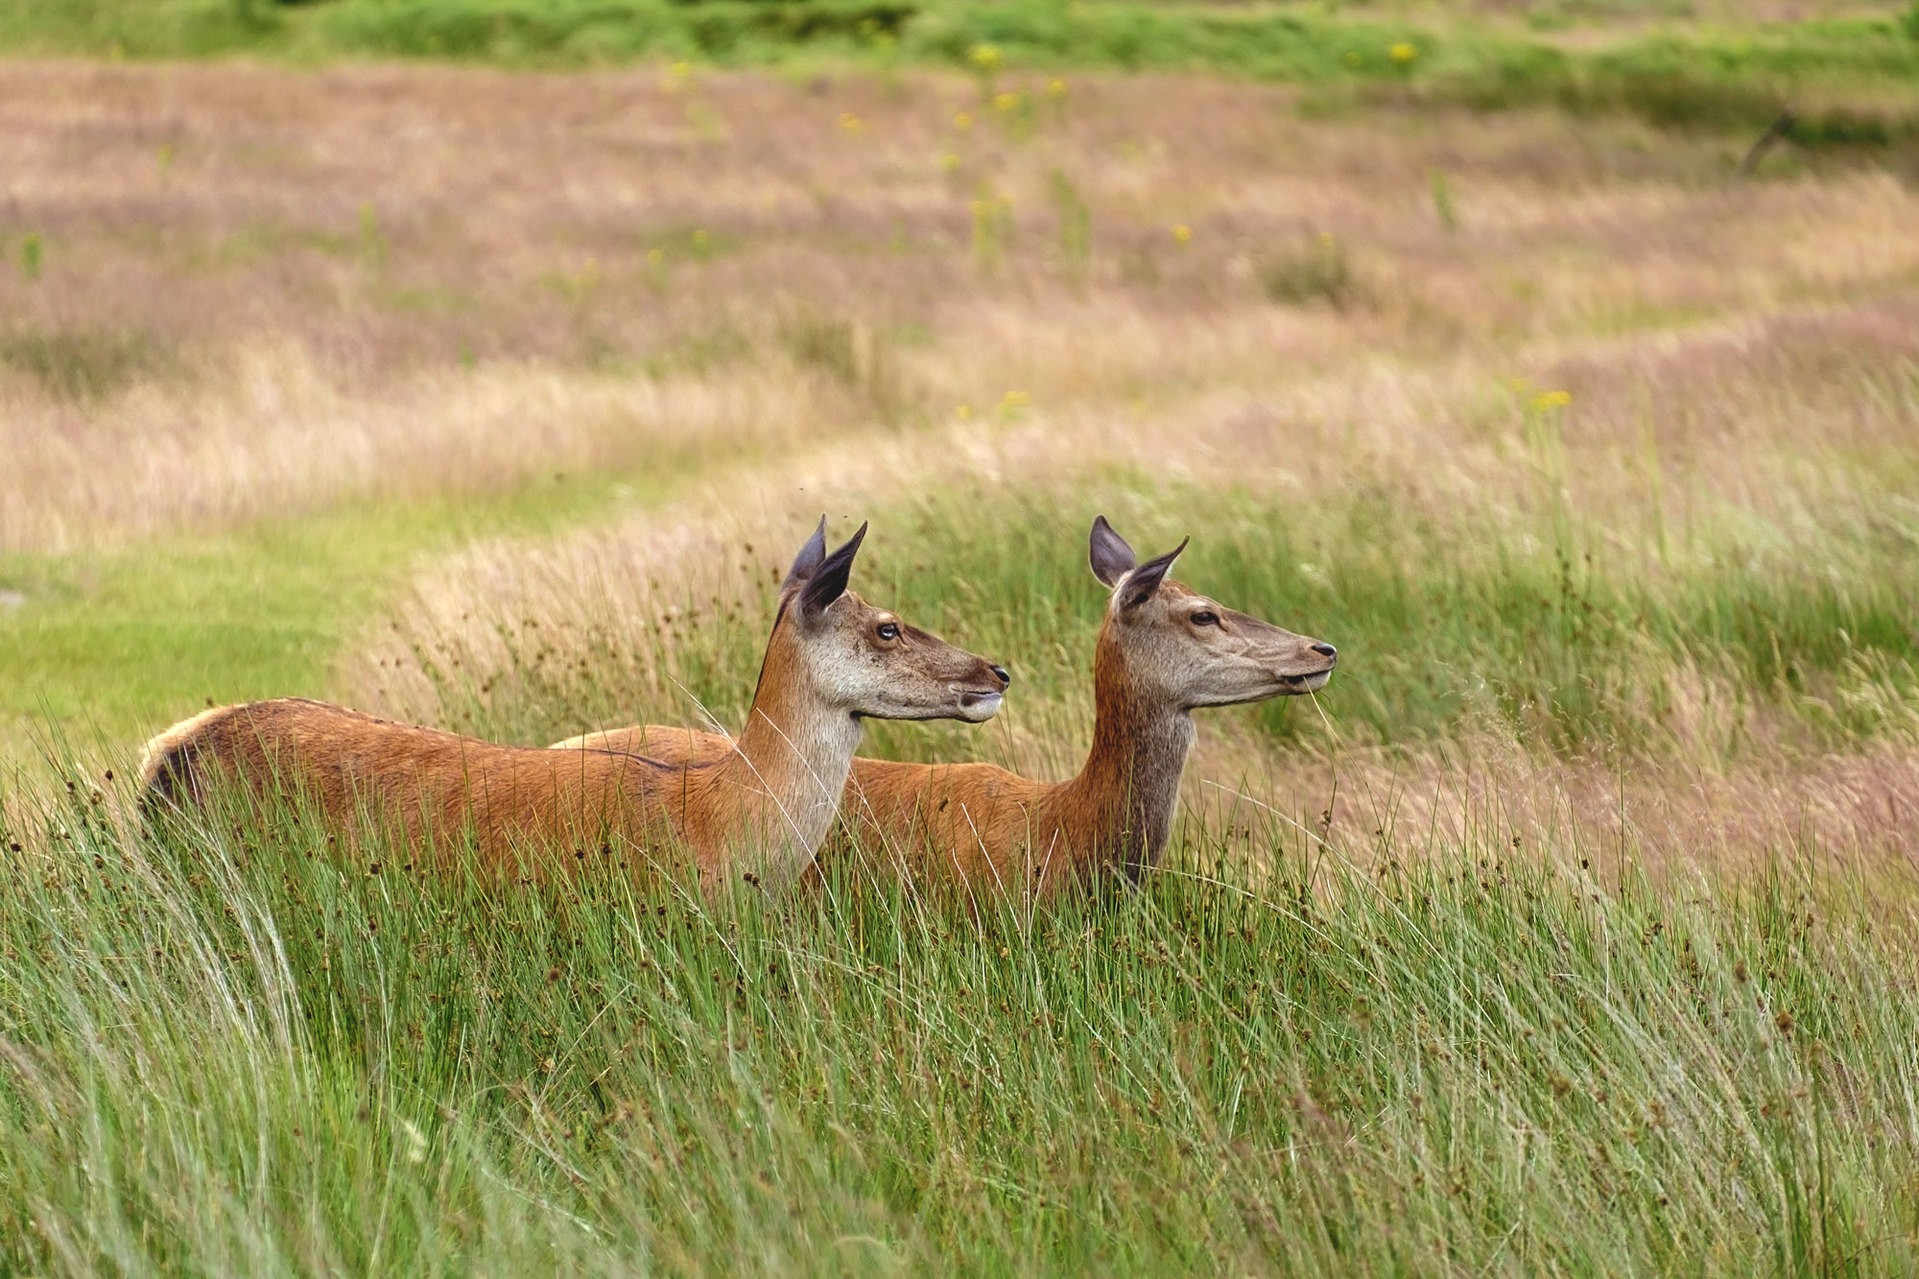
point(1190, 649)
point(863, 660)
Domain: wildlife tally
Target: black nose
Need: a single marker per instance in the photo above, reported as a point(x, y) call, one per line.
point(1325, 650)
point(1004, 679)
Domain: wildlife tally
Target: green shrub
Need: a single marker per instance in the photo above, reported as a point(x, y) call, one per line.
point(81, 365)
point(1319, 269)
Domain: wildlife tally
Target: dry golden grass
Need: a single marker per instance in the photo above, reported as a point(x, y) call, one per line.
point(263, 290)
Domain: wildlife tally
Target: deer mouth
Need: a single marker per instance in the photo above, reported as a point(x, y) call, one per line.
point(1310, 683)
point(979, 704)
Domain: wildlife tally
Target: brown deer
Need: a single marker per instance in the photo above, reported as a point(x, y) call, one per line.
point(1163, 652)
point(758, 808)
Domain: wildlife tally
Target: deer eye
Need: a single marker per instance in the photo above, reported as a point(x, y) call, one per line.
point(1204, 618)
point(889, 630)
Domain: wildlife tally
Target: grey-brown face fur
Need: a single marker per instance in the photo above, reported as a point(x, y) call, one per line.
point(869, 662)
point(1189, 648)
point(1200, 653)
point(865, 661)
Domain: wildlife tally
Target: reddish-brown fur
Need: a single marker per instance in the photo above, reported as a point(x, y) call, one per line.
point(762, 805)
point(981, 826)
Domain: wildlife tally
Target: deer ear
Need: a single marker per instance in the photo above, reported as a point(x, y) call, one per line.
point(1112, 558)
point(1143, 582)
point(807, 562)
point(828, 582)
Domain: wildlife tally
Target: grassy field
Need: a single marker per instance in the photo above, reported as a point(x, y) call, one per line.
point(1569, 930)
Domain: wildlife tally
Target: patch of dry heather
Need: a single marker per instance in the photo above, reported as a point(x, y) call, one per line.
point(256, 290)
point(1486, 791)
point(272, 437)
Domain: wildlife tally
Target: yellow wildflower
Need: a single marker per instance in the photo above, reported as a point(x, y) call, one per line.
point(963, 121)
point(1005, 101)
point(963, 412)
point(1403, 52)
point(984, 56)
point(1056, 87)
point(950, 161)
point(1552, 400)
point(851, 123)
point(1183, 233)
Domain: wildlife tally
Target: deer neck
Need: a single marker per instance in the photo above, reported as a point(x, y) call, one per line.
point(787, 768)
point(1128, 789)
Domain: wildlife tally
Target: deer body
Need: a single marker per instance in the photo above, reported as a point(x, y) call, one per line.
point(1162, 652)
point(763, 805)
point(985, 827)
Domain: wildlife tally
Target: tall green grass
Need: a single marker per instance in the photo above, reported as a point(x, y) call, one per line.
point(1576, 634)
point(232, 1047)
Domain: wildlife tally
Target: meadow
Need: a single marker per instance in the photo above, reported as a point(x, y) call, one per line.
point(1570, 929)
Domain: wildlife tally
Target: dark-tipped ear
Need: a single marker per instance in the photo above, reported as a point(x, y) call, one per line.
point(1142, 582)
point(828, 581)
point(807, 562)
point(1112, 558)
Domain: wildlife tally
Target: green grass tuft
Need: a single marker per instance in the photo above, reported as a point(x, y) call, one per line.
point(82, 365)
